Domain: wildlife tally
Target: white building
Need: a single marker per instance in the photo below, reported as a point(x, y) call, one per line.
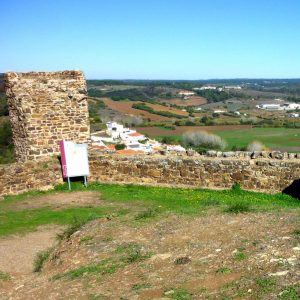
point(133, 140)
point(208, 87)
point(232, 87)
point(294, 115)
point(186, 93)
point(269, 106)
point(290, 106)
point(219, 111)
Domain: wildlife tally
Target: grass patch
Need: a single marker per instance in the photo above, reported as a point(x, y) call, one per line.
point(266, 284)
point(86, 239)
point(140, 286)
point(4, 276)
point(134, 254)
point(40, 259)
point(75, 225)
point(107, 266)
point(178, 294)
point(296, 232)
point(147, 214)
point(28, 220)
point(290, 293)
point(210, 202)
point(238, 207)
point(159, 199)
point(223, 270)
point(182, 260)
point(239, 256)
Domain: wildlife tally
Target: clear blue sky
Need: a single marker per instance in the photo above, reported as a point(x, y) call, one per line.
point(153, 39)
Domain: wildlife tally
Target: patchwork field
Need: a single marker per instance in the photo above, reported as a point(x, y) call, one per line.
point(149, 243)
point(192, 101)
point(176, 111)
point(125, 107)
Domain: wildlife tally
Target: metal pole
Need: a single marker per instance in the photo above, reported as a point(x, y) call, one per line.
point(85, 181)
point(69, 183)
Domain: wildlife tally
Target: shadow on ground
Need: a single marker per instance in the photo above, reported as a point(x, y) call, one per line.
point(293, 189)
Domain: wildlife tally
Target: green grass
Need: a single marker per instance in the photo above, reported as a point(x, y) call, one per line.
point(4, 276)
point(147, 214)
point(290, 292)
point(273, 138)
point(28, 220)
point(86, 239)
point(224, 270)
point(139, 286)
point(106, 266)
point(124, 255)
point(133, 253)
point(178, 294)
point(40, 259)
point(266, 284)
point(238, 207)
point(156, 199)
point(239, 256)
point(189, 201)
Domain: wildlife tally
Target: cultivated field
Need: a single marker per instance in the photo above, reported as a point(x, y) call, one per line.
point(176, 111)
point(125, 107)
point(192, 101)
point(134, 242)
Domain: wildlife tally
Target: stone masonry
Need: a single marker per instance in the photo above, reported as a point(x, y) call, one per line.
point(268, 175)
point(44, 108)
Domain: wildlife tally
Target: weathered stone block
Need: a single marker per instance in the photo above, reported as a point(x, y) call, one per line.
point(42, 109)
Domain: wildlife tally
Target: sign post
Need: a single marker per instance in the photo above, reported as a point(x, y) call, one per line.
point(74, 160)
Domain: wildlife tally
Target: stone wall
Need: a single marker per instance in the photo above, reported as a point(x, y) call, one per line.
point(44, 108)
point(30, 175)
point(260, 174)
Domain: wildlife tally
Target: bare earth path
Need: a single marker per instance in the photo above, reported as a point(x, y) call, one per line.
point(17, 252)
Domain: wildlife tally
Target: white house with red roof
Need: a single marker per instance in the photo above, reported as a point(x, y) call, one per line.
point(133, 140)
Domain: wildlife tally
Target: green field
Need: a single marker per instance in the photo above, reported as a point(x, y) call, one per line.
point(284, 139)
point(156, 200)
point(287, 139)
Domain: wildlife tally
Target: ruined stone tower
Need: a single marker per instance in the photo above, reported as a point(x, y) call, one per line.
point(44, 108)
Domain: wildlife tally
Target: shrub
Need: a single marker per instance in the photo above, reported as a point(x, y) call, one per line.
point(167, 140)
point(76, 224)
point(256, 146)
point(204, 140)
point(149, 213)
point(238, 207)
point(40, 259)
point(120, 146)
point(236, 187)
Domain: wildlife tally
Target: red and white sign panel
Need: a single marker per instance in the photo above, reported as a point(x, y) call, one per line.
point(74, 159)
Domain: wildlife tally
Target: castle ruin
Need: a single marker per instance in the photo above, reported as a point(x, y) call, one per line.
point(44, 108)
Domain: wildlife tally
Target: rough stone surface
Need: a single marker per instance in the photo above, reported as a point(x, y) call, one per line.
point(261, 174)
point(44, 108)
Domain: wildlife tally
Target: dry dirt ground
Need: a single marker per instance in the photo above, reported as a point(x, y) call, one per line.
point(192, 101)
point(125, 107)
point(136, 255)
